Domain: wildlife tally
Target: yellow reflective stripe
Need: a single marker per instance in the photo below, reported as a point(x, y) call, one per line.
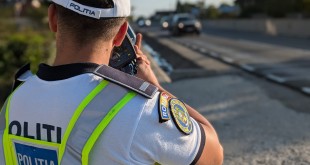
point(77, 114)
point(31, 141)
point(6, 141)
point(103, 124)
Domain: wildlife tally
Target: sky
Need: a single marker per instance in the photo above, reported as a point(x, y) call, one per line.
point(148, 7)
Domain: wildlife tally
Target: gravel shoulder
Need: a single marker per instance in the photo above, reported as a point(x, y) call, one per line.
point(253, 127)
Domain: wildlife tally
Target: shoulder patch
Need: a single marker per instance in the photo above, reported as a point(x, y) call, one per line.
point(128, 81)
point(181, 117)
point(163, 107)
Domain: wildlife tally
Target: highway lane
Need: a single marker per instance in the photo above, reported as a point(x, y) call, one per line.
point(283, 64)
point(210, 55)
point(301, 43)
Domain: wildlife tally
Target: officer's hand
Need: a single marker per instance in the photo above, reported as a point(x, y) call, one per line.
point(144, 69)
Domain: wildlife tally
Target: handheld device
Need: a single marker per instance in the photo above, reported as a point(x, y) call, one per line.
point(124, 57)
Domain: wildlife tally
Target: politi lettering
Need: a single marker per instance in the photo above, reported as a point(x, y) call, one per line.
point(28, 160)
point(82, 10)
point(45, 130)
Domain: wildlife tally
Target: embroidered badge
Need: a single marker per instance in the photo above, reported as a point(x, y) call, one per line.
point(163, 107)
point(180, 116)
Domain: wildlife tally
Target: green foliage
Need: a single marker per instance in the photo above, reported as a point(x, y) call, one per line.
point(22, 48)
point(186, 7)
point(36, 14)
point(6, 11)
point(274, 8)
point(306, 7)
point(22, 40)
point(6, 29)
point(212, 12)
point(2, 64)
point(16, 46)
point(279, 8)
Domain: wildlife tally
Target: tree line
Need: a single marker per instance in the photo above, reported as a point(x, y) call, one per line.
point(274, 8)
point(249, 8)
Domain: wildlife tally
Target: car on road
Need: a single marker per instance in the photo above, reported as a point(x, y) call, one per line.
point(184, 23)
point(142, 22)
point(165, 22)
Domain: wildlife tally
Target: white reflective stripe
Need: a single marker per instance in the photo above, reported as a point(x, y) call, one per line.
point(144, 86)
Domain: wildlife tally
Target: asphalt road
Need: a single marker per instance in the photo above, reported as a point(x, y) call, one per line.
point(280, 59)
point(300, 43)
point(250, 89)
point(287, 65)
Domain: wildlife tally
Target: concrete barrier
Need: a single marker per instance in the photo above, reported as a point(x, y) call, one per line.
point(283, 27)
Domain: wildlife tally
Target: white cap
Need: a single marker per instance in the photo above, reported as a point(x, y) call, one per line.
point(121, 9)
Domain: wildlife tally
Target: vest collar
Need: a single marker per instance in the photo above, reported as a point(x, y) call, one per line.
point(62, 72)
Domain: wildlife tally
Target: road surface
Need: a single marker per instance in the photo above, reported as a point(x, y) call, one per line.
point(252, 89)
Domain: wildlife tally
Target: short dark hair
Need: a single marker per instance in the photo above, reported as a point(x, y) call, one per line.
point(86, 29)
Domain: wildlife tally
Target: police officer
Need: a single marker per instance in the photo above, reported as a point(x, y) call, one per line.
point(81, 111)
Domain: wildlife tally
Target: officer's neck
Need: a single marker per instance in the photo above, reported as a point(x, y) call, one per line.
point(68, 53)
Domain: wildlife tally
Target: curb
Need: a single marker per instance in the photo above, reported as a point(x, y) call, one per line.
point(161, 75)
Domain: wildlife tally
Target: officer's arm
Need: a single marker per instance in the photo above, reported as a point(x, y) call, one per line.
point(213, 151)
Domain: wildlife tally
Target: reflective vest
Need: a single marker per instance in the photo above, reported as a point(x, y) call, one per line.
point(76, 144)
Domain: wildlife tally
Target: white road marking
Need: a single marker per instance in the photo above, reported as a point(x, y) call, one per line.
point(247, 67)
point(144, 86)
point(228, 59)
point(214, 54)
point(276, 78)
point(202, 50)
point(306, 90)
point(194, 47)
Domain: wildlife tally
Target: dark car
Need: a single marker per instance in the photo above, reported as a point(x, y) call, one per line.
point(184, 23)
point(165, 22)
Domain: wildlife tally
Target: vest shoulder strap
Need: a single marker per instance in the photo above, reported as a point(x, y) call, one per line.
point(22, 75)
point(128, 81)
point(116, 76)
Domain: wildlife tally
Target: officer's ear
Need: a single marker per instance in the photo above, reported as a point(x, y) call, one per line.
point(52, 18)
point(121, 34)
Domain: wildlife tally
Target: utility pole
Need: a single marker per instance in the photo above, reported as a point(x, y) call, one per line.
point(178, 6)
